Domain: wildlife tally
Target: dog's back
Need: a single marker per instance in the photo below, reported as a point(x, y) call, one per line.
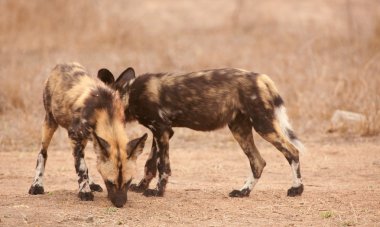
point(204, 100)
point(66, 89)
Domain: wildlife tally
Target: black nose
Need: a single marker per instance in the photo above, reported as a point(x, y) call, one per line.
point(118, 204)
point(119, 199)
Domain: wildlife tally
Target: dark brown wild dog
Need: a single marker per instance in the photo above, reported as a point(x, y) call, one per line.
point(205, 101)
point(88, 109)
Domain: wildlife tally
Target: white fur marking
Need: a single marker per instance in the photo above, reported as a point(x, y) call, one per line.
point(234, 115)
point(161, 114)
point(90, 181)
point(39, 169)
point(84, 186)
point(82, 165)
point(131, 82)
point(250, 183)
point(282, 118)
point(164, 176)
point(253, 97)
point(296, 181)
point(164, 113)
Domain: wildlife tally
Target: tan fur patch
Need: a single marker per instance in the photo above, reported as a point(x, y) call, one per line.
point(278, 136)
point(113, 131)
point(153, 89)
point(77, 66)
point(64, 89)
point(47, 134)
point(81, 90)
point(267, 90)
point(174, 79)
point(240, 72)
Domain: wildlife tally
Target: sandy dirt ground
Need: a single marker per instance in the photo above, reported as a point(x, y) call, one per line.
point(341, 177)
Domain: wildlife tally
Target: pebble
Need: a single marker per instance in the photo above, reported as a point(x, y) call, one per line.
point(376, 163)
point(90, 219)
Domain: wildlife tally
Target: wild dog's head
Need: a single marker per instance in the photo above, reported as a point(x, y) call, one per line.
point(118, 170)
point(117, 166)
point(117, 157)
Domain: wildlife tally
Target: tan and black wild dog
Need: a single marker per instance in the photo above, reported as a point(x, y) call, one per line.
point(89, 110)
point(205, 101)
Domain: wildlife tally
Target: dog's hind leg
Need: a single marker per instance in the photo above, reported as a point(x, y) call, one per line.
point(277, 131)
point(242, 131)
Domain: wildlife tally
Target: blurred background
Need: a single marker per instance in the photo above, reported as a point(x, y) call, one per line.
point(323, 55)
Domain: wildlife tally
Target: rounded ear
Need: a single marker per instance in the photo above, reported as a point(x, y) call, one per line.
point(124, 78)
point(106, 76)
point(135, 147)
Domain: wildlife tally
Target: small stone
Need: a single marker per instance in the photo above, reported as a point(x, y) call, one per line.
point(376, 163)
point(90, 219)
point(346, 121)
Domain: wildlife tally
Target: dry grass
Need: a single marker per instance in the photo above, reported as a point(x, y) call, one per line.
point(323, 55)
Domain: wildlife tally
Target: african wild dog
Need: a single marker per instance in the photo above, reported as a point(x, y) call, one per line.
point(205, 101)
point(89, 110)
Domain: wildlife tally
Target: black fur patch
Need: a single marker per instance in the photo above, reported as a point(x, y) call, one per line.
point(36, 189)
point(104, 147)
point(190, 99)
point(292, 135)
point(79, 73)
point(96, 188)
point(240, 193)
point(151, 163)
point(299, 171)
point(150, 171)
point(43, 152)
point(153, 193)
point(106, 76)
point(110, 186)
point(78, 132)
point(78, 156)
point(101, 98)
point(292, 192)
point(120, 177)
point(262, 124)
point(86, 196)
point(65, 68)
point(140, 187)
point(47, 99)
point(277, 101)
point(118, 196)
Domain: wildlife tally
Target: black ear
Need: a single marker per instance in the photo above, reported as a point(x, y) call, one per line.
point(124, 79)
point(106, 76)
point(103, 145)
point(135, 147)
